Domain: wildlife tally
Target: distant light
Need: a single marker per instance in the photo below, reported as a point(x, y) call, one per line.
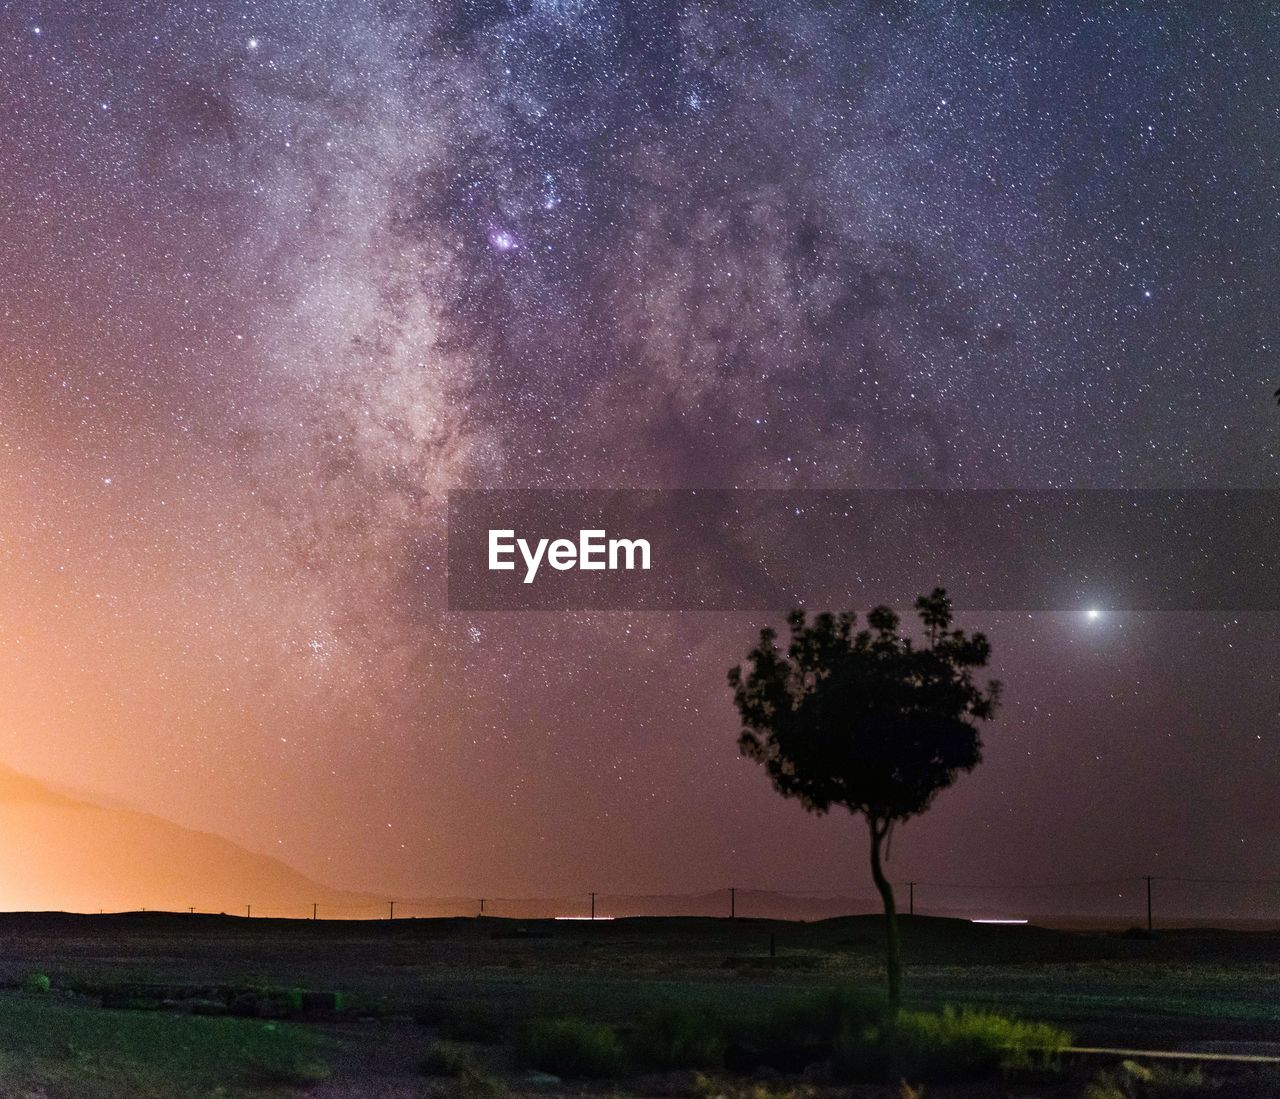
point(998, 921)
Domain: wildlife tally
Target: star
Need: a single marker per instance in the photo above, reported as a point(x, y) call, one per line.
point(503, 240)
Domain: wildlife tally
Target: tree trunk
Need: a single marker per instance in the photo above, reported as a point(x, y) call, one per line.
point(893, 958)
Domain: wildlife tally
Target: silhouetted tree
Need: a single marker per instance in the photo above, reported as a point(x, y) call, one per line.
point(868, 720)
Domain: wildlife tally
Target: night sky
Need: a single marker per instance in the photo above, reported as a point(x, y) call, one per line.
point(276, 276)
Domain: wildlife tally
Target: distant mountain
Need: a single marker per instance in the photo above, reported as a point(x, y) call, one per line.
point(58, 852)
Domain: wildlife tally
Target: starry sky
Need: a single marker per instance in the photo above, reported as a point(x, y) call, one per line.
point(274, 277)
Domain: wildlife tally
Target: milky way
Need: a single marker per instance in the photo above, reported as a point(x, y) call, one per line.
point(277, 276)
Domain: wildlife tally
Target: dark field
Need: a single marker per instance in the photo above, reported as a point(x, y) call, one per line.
point(478, 982)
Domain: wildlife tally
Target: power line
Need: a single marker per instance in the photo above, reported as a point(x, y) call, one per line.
point(733, 894)
point(1220, 881)
point(1034, 885)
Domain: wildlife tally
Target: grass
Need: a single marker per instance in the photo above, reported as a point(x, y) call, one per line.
point(49, 1045)
point(570, 1047)
point(850, 1027)
point(447, 1059)
point(664, 988)
point(948, 1045)
point(480, 1085)
point(1141, 1005)
point(677, 1037)
point(284, 1064)
point(714, 1088)
point(1134, 1081)
point(821, 1015)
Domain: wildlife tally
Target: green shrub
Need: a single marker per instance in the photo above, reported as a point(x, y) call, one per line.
point(951, 1045)
point(805, 1025)
point(676, 1038)
point(36, 982)
point(569, 1047)
point(825, 1014)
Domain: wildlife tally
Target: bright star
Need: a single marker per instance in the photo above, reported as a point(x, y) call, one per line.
point(503, 240)
point(1093, 614)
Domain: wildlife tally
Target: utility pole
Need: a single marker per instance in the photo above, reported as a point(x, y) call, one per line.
point(248, 911)
point(593, 906)
point(1148, 902)
point(733, 903)
point(911, 898)
point(392, 914)
point(482, 906)
point(314, 906)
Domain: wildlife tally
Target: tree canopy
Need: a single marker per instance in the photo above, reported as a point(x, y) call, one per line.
point(865, 719)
